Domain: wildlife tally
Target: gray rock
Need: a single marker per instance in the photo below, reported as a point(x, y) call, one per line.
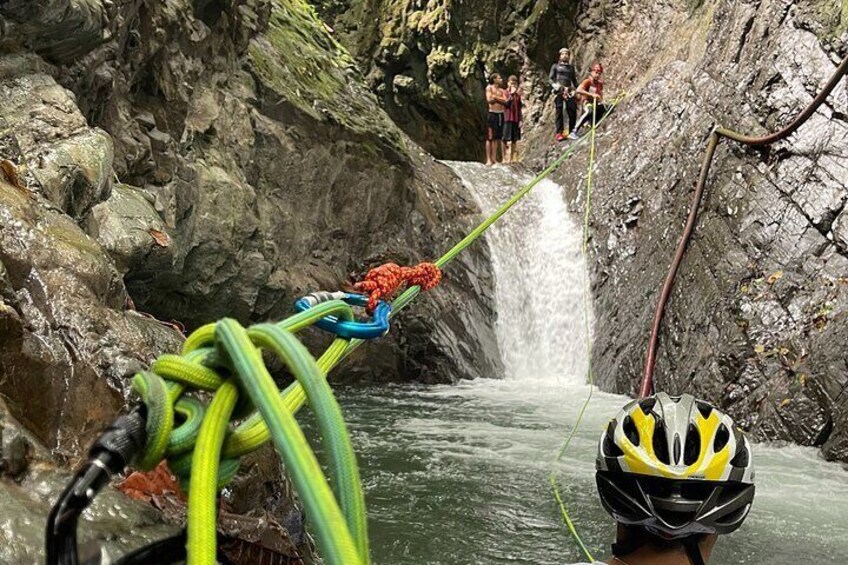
point(128, 227)
point(70, 162)
point(66, 345)
point(146, 119)
point(61, 30)
point(114, 522)
point(16, 449)
point(757, 318)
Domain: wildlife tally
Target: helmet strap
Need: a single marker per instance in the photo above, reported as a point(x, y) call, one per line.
point(693, 550)
point(630, 544)
point(623, 549)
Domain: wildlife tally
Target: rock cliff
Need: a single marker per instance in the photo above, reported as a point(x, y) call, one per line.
point(175, 159)
point(428, 62)
point(188, 160)
point(758, 317)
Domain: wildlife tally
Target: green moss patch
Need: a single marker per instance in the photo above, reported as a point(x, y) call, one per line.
point(297, 58)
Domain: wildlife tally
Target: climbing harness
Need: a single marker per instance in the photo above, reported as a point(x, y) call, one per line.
point(647, 385)
point(203, 443)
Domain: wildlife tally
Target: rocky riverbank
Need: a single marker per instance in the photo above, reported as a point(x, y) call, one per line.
point(167, 164)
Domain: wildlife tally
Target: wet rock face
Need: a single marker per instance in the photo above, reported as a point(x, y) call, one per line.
point(428, 62)
point(130, 229)
point(43, 131)
point(61, 30)
point(757, 317)
point(30, 483)
point(66, 343)
point(272, 179)
point(245, 181)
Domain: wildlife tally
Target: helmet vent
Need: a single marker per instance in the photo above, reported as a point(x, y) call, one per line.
point(678, 518)
point(647, 405)
point(693, 446)
point(676, 449)
point(741, 457)
point(630, 431)
point(705, 409)
point(611, 449)
point(660, 443)
point(721, 438)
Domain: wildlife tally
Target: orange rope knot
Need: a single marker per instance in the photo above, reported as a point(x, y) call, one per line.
point(381, 283)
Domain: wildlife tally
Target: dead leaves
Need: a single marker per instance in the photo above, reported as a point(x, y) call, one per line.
point(144, 486)
point(774, 277)
point(161, 238)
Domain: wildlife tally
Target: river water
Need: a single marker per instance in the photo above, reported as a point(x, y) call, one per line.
point(459, 474)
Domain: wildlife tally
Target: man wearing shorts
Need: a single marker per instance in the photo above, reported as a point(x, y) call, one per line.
point(495, 98)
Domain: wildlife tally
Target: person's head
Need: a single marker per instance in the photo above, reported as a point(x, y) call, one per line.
point(564, 55)
point(596, 70)
point(512, 81)
point(495, 79)
point(675, 469)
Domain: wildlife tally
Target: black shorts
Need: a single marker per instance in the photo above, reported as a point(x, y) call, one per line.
point(512, 132)
point(494, 126)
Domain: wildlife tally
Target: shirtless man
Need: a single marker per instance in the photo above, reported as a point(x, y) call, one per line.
point(496, 97)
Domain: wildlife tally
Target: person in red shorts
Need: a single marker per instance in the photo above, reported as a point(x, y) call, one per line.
point(512, 119)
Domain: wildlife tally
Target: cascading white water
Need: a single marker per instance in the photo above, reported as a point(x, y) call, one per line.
point(458, 474)
point(539, 276)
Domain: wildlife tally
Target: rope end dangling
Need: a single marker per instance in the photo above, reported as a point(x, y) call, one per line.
point(384, 281)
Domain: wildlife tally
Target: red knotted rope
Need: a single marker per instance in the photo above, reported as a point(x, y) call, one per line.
point(382, 282)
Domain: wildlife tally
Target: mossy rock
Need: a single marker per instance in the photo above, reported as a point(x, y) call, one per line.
point(298, 59)
point(831, 15)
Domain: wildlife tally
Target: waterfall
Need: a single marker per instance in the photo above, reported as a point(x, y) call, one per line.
point(539, 275)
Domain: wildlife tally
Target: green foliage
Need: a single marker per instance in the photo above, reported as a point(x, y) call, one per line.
point(298, 59)
point(833, 15)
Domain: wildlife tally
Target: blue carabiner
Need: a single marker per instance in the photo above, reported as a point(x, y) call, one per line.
point(378, 326)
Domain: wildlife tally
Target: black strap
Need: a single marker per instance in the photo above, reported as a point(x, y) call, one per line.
point(693, 551)
point(623, 549)
point(167, 551)
point(691, 545)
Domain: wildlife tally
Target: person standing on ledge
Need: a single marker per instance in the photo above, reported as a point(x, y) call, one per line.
point(512, 125)
point(495, 98)
point(563, 79)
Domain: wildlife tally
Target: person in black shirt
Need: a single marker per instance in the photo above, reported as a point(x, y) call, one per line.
point(563, 80)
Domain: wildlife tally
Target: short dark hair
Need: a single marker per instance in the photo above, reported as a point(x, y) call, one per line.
point(493, 76)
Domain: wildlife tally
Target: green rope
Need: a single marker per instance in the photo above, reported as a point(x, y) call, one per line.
point(224, 358)
point(584, 252)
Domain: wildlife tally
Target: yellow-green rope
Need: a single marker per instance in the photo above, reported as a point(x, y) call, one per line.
point(226, 359)
point(584, 251)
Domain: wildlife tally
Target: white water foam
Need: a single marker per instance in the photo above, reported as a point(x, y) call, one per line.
point(539, 276)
